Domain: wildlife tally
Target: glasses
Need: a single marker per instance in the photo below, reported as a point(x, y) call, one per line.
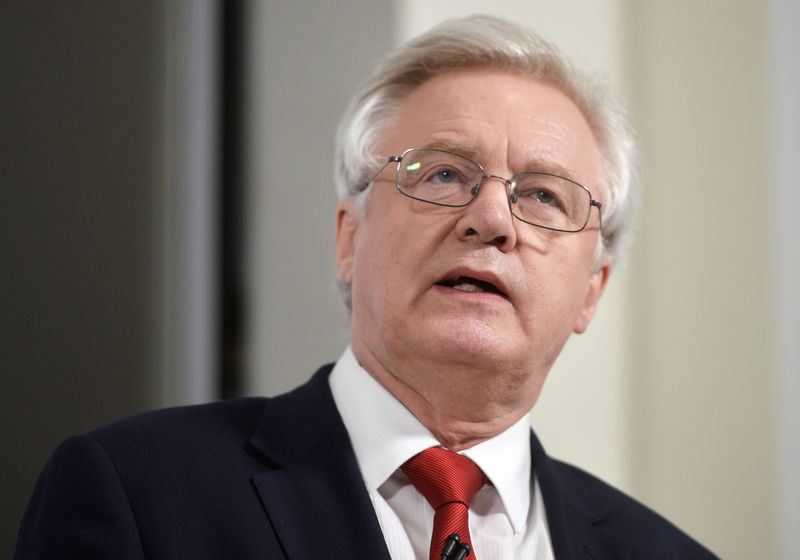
point(541, 199)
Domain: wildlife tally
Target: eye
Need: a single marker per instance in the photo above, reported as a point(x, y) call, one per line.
point(445, 176)
point(538, 196)
point(545, 197)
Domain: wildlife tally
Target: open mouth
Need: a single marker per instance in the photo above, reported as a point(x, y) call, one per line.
point(468, 284)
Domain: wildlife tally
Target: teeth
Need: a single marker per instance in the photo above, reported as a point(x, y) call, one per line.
point(467, 287)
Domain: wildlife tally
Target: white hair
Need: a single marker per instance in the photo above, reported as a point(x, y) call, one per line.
point(481, 41)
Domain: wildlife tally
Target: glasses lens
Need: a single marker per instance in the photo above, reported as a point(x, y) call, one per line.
point(550, 201)
point(439, 177)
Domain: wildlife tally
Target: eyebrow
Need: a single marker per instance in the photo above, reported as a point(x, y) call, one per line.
point(536, 165)
point(460, 148)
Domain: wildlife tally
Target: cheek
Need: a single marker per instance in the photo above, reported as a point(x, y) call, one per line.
point(378, 273)
point(558, 281)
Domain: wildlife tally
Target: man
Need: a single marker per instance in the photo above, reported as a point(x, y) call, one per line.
point(484, 195)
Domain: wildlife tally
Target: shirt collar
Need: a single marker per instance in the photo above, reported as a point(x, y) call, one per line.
point(385, 435)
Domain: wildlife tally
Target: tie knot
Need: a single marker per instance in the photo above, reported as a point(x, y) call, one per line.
point(444, 477)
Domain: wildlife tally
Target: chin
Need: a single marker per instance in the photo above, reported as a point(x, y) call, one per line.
point(470, 345)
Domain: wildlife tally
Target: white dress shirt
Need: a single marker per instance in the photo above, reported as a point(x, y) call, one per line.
point(506, 519)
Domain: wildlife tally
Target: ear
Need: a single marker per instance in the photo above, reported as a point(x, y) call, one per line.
point(346, 233)
point(597, 285)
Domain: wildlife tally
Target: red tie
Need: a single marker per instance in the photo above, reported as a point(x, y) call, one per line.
point(448, 481)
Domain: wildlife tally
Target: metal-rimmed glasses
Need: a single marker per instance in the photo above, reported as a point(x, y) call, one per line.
point(538, 198)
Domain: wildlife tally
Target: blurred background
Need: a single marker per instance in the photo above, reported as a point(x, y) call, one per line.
point(168, 218)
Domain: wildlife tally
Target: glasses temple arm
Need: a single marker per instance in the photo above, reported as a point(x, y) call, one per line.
point(599, 205)
point(391, 159)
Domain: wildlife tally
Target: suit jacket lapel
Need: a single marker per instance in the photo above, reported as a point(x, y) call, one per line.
point(314, 497)
point(575, 528)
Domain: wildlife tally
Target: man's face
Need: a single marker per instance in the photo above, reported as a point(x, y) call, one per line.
point(416, 310)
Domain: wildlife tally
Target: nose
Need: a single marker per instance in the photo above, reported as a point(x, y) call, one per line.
point(488, 217)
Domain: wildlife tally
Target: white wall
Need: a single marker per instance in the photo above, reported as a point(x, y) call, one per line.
point(305, 61)
point(190, 357)
point(703, 378)
point(784, 146)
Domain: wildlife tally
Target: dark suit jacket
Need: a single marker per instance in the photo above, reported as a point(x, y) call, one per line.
point(275, 478)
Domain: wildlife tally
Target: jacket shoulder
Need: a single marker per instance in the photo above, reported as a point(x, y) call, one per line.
point(219, 420)
point(621, 516)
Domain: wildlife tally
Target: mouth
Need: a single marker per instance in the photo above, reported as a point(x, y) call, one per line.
point(470, 284)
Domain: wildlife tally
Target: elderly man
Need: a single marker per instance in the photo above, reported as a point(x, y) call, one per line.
point(484, 195)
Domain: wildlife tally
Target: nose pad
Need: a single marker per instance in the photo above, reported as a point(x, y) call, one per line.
point(510, 187)
point(512, 192)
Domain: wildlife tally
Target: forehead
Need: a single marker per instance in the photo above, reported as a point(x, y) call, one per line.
point(506, 122)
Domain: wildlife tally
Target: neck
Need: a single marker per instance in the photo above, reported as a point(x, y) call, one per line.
point(461, 407)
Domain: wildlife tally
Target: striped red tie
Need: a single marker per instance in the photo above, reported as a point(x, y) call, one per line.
point(448, 481)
